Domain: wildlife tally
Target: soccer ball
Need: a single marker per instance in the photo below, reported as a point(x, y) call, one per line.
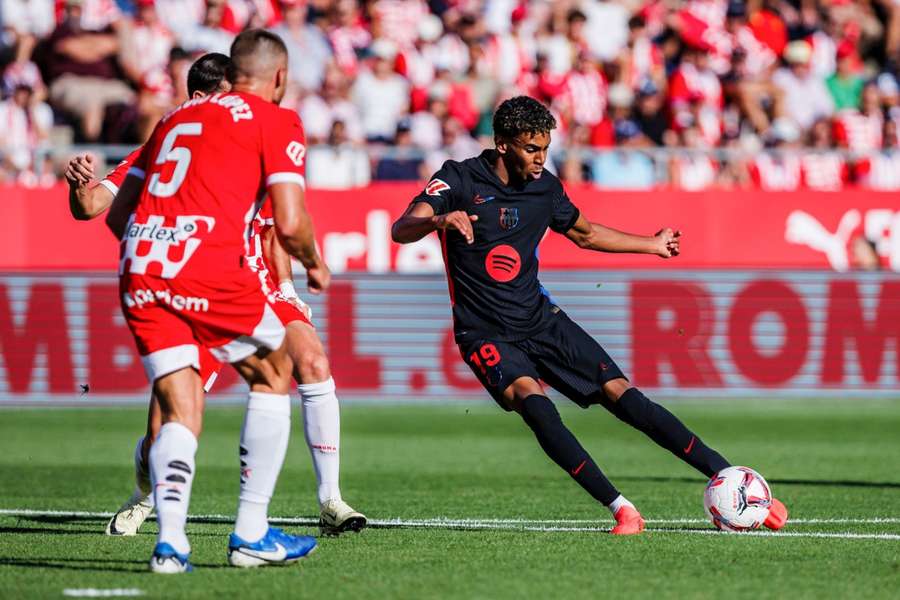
point(737, 499)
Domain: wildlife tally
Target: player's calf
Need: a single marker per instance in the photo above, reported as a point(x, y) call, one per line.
point(665, 429)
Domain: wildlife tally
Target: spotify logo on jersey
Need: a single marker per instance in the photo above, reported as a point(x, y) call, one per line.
point(503, 263)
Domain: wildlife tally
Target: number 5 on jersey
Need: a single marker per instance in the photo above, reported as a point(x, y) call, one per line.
point(180, 155)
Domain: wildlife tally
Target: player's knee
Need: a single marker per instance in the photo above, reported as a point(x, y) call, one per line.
point(616, 388)
point(313, 367)
point(635, 408)
point(539, 412)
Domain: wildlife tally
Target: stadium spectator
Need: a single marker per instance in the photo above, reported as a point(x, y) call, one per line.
point(84, 73)
point(26, 126)
point(308, 49)
point(404, 161)
point(455, 144)
point(348, 35)
point(397, 20)
point(806, 98)
point(25, 22)
point(824, 168)
point(380, 94)
point(845, 85)
point(693, 169)
point(144, 57)
point(211, 34)
point(340, 164)
point(780, 169)
point(860, 130)
point(320, 111)
point(881, 170)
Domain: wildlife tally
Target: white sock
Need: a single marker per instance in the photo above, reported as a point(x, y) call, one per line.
point(142, 485)
point(618, 503)
point(322, 426)
point(172, 472)
point(264, 442)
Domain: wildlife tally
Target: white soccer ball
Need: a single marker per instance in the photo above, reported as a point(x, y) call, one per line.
point(737, 499)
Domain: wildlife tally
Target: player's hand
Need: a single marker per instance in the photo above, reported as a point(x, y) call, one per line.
point(305, 308)
point(80, 170)
point(668, 243)
point(459, 220)
point(318, 278)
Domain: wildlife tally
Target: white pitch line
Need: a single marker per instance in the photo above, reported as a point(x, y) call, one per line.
point(101, 593)
point(446, 521)
point(544, 526)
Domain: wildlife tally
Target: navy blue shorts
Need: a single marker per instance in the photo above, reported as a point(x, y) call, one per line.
point(563, 355)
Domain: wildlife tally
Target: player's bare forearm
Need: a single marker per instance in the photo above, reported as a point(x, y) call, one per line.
point(276, 256)
point(88, 201)
point(87, 198)
point(419, 220)
point(123, 205)
point(594, 236)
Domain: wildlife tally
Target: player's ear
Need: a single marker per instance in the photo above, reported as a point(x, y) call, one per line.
point(501, 145)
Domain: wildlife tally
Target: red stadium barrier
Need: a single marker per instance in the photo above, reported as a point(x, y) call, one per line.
point(722, 229)
point(712, 333)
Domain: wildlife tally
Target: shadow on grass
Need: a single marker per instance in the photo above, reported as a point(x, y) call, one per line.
point(810, 482)
point(90, 564)
point(76, 564)
point(99, 530)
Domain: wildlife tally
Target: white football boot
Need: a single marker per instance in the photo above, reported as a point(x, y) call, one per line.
point(131, 515)
point(337, 517)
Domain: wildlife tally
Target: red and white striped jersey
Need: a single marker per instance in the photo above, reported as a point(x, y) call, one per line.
point(858, 132)
point(345, 41)
point(585, 95)
point(824, 171)
point(776, 173)
point(399, 19)
point(689, 83)
point(646, 57)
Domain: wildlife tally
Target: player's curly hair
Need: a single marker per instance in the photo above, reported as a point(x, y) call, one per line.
point(522, 114)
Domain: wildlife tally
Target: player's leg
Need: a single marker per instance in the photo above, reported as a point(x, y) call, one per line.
point(631, 406)
point(511, 378)
point(263, 446)
point(172, 465)
point(321, 426)
point(134, 511)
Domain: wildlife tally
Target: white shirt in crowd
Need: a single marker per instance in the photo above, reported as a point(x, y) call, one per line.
point(806, 99)
point(381, 102)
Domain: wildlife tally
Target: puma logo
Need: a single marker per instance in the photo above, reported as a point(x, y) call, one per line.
point(804, 229)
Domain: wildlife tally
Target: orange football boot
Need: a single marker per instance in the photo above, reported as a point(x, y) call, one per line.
point(628, 521)
point(778, 515)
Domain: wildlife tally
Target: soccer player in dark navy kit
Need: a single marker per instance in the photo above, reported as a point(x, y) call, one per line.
point(490, 213)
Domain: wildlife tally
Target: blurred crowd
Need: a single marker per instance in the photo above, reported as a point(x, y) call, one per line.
point(771, 94)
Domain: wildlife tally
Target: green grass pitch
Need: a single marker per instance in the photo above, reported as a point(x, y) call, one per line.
point(528, 530)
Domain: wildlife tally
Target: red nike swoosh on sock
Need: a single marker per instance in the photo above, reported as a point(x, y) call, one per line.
point(577, 469)
point(691, 445)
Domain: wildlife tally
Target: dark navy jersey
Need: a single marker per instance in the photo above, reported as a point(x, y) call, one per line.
point(493, 282)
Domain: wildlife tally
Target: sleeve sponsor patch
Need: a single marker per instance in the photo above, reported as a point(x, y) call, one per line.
point(436, 186)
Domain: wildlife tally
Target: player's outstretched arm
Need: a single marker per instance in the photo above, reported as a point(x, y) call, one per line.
point(594, 236)
point(87, 199)
point(419, 220)
point(294, 227)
